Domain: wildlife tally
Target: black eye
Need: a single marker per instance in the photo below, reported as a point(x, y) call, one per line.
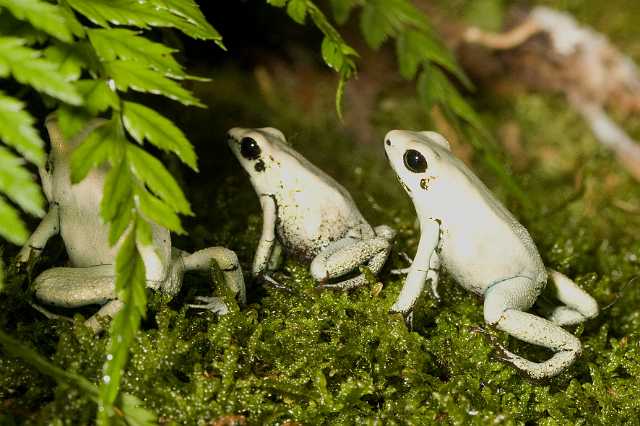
point(249, 148)
point(415, 161)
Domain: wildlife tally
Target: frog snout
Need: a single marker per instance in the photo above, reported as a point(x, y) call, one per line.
point(235, 134)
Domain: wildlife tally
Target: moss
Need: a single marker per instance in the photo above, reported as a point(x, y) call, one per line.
point(330, 357)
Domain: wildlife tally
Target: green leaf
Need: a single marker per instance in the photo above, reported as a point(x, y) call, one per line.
point(434, 87)
point(415, 47)
point(144, 123)
point(131, 290)
point(133, 75)
point(135, 413)
point(381, 19)
point(144, 233)
point(13, 27)
point(92, 152)
point(332, 54)
point(28, 67)
point(72, 21)
point(297, 10)
point(12, 228)
point(116, 198)
point(153, 174)
point(190, 11)
point(16, 130)
point(144, 14)
point(97, 95)
point(42, 15)
point(116, 43)
point(486, 14)
point(403, 14)
point(68, 60)
point(19, 185)
point(277, 3)
point(157, 211)
point(72, 120)
point(120, 223)
point(342, 9)
point(340, 95)
point(374, 25)
point(410, 54)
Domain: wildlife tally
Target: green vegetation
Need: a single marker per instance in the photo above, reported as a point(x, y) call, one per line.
point(332, 357)
point(76, 60)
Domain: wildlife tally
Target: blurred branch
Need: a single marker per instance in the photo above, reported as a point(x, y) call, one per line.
point(549, 50)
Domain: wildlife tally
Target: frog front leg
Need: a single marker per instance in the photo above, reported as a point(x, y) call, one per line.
point(421, 268)
point(48, 227)
point(344, 256)
point(505, 304)
point(264, 252)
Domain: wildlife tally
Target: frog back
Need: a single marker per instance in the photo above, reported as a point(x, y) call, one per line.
point(313, 209)
point(86, 236)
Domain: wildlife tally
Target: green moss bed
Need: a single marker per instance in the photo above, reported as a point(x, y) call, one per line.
point(297, 355)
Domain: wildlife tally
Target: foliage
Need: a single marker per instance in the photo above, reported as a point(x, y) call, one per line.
point(339, 358)
point(86, 60)
point(87, 69)
point(421, 55)
point(130, 410)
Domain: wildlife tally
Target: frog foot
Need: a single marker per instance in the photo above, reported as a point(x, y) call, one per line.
point(408, 319)
point(213, 304)
point(403, 271)
point(274, 283)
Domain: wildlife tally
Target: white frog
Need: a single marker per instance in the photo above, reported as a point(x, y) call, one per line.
point(307, 213)
point(74, 213)
point(485, 249)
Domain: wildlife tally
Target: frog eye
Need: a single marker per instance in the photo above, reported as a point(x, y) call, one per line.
point(249, 148)
point(415, 161)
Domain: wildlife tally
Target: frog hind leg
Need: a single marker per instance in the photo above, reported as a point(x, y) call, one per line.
point(344, 256)
point(504, 306)
point(578, 306)
point(76, 287)
point(228, 262)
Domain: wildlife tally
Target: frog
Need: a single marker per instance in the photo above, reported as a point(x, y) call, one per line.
point(307, 214)
point(466, 230)
point(89, 276)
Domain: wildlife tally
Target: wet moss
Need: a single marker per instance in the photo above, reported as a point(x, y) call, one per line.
point(325, 357)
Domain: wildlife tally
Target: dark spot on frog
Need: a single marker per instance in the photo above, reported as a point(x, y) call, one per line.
point(259, 166)
point(403, 184)
point(424, 183)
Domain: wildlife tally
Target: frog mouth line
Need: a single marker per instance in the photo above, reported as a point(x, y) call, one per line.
point(404, 185)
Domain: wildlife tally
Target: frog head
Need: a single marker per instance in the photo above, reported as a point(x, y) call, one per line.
point(418, 158)
point(261, 152)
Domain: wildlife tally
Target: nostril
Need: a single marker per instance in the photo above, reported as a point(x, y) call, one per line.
point(388, 142)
